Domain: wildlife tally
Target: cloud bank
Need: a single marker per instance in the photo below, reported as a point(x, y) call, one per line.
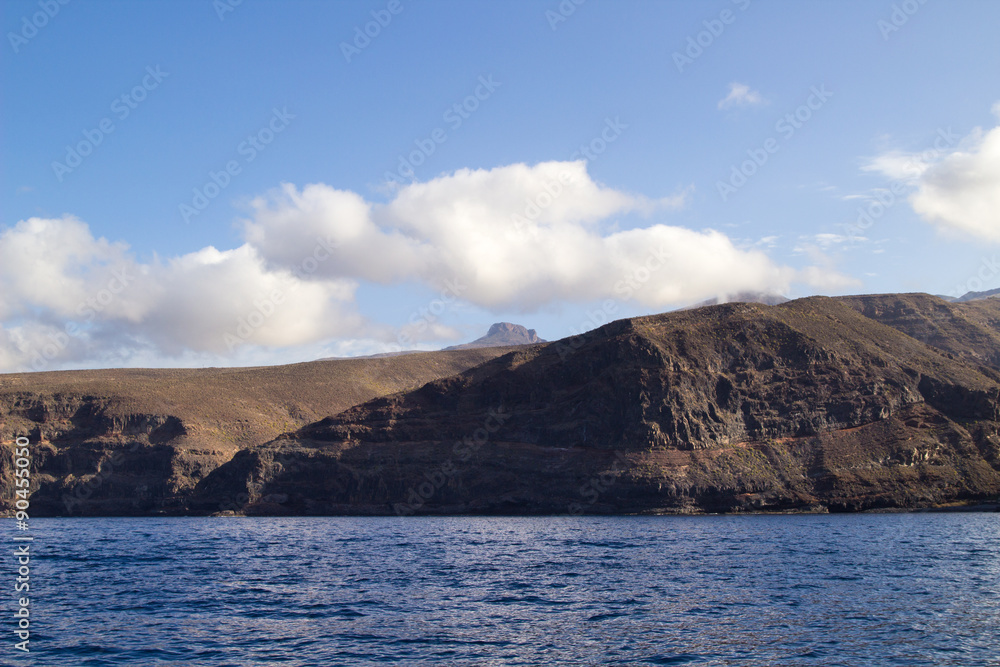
point(957, 190)
point(517, 237)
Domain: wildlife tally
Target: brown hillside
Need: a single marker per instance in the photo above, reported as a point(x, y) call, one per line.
point(805, 405)
point(185, 422)
point(970, 331)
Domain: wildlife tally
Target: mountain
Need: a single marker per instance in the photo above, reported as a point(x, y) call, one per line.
point(975, 296)
point(819, 404)
point(502, 334)
point(130, 441)
point(968, 331)
point(812, 405)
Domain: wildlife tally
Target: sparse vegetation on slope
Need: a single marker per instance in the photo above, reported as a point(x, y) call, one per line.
point(819, 404)
point(135, 440)
point(809, 405)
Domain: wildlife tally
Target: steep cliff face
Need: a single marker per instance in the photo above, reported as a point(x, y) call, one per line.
point(968, 331)
point(138, 441)
point(810, 404)
point(95, 449)
point(813, 405)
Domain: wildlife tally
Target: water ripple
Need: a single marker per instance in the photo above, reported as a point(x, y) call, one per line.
point(907, 589)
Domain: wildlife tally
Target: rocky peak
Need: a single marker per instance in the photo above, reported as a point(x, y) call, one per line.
point(508, 330)
point(502, 334)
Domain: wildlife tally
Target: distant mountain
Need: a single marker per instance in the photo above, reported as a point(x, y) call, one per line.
point(976, 296)
point(763, 298)
point(966, 331)
point(502, 334)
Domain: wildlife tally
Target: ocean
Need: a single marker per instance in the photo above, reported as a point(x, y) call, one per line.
point(863, 589)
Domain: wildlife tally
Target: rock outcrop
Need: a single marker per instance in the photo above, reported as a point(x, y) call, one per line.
point(502, 334)
point(820, 404)
point(807, 406)
point(137, 441)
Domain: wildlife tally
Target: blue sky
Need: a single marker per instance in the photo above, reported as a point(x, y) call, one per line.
point(893, 100)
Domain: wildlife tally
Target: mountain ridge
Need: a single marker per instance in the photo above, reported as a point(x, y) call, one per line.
point(818, 404)
point(734, 407)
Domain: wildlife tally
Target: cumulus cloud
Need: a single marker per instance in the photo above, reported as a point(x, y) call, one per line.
point(957, 189)
point(513, 237)
point(821, 273)
point(517, 237)
point(962, 192)
point(740, 95)
point(69, 296)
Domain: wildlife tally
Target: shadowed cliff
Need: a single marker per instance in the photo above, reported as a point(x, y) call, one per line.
point(134, 441)
point(812, 405)
point(819, 404)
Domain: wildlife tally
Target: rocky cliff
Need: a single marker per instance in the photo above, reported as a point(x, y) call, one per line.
point(818, 404)
point(502, 334)
point(813, 405)
point(136, 441)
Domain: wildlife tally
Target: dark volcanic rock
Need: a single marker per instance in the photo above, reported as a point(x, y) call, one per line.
point(967, 331)
point(819, 404)
point(810, 405)
point(137, 441)
point(502, 334)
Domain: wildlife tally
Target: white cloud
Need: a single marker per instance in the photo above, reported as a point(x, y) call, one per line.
point(740, 95)
point(962, 191)
point(514, 237)
point(899, 165)
point(824, 278)
point(822, 273)
point(67, 296)
point(956, 189)
point(826, 240)
point(517, 237)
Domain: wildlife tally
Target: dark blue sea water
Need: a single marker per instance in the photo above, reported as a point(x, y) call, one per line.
point(896, 589)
